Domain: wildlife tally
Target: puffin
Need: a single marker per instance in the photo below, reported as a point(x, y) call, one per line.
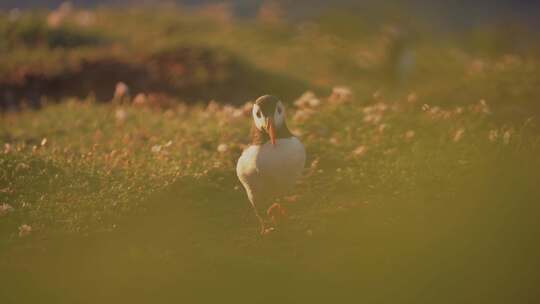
point(271, 165)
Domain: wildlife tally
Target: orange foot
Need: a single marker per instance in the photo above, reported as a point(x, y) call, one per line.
point(267, 231)
point(276, 213)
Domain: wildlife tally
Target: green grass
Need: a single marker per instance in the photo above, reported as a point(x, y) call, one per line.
point(415, 192)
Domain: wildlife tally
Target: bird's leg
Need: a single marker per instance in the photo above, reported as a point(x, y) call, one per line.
point(276, 212)
point(261, 221)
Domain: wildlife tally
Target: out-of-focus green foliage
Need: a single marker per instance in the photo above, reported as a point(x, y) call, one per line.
point(32, 32)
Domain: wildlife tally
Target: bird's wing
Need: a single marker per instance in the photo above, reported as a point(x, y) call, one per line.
point(247, 171)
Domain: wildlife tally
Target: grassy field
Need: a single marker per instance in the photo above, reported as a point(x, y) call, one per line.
point(421, 185)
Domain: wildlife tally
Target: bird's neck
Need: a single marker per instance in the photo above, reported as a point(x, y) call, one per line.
point(259, 137)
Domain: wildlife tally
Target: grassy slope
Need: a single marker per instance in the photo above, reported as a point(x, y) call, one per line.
point(130, 203)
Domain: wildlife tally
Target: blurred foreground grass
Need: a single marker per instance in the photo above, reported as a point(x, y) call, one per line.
point(417, 190)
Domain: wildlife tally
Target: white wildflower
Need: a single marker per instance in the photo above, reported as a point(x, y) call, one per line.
point(368, 110)
point(140, 99)
point(121, 91)
point(237, 113)
point(24, 230)
point(120, 114)
point(7, 148)
point(340, 94)
point(381, 106)
point(493, 135)
point(222, 148)
point(85, 18)
point(308, 99)
point(302, 115)
point(360, 150)
point(14, 14)
point(246, 108)
point(412, 98)
point(458, 135)
point(314, 102)
point(434, 110)
point(506, 137)
point(59, 15)
point(5, 209)
point(297, 132)
point(484, 108)
point(213, 106)
point(373, 118)
point(409, 135)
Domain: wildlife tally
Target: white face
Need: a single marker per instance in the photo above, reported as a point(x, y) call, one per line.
point(260, 119)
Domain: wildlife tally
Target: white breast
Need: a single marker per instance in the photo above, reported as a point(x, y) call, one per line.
point(267, 171)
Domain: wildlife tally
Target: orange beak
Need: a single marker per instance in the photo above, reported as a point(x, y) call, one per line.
point(271, 131)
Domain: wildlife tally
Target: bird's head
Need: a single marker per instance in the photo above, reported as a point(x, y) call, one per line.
point(269, 116)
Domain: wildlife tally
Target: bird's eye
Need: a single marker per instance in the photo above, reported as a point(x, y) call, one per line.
point(258, 114)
